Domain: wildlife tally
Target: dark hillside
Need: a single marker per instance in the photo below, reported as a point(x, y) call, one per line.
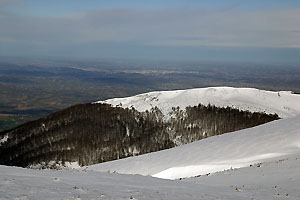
point(94, 133)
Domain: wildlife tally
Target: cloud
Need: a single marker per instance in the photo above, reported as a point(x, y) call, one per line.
point(11, 3)
point(228, 28)
point(295, 31)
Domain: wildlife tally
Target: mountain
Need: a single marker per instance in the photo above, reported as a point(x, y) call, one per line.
point(272, 148)
point(255, 163)
point(118, 128)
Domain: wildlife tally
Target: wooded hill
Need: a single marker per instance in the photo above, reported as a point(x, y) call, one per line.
point(95, 133)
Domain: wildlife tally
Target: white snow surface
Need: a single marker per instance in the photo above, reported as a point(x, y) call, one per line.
point(238, 149)
point(283, 103)
point(278, 179)
point(22, 184)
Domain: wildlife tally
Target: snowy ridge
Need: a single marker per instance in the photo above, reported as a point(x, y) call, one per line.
point(283, 103)
point(243, 148)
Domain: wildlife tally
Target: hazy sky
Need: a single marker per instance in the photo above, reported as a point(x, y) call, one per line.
point(241, 30)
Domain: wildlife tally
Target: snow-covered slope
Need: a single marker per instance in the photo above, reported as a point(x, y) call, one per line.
point(23, 184)
point(267, 142)
point(283, 103)
point(279, 179)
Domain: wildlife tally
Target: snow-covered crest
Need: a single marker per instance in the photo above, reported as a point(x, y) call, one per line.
point(283, 103)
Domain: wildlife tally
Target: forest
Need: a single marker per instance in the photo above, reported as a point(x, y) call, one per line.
point(95, 133)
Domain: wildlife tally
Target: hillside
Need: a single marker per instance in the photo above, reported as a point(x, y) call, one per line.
point(95, 133)
point(271, 141)
point(276, 178)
